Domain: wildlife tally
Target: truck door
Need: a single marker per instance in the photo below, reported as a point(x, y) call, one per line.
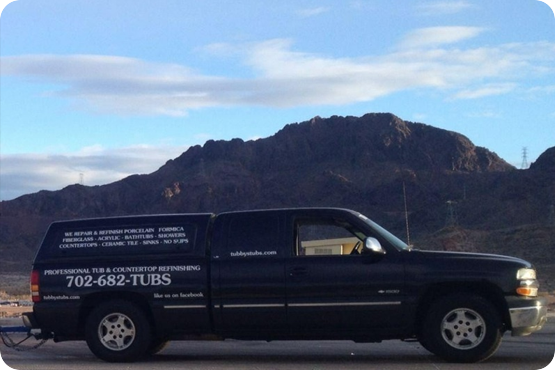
point(249, 274)
point(336, 291)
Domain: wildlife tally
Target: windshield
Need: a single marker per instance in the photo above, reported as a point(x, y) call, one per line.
point(395, 241)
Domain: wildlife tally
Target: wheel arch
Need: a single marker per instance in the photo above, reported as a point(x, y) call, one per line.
point(484, 289)
point(93, 300)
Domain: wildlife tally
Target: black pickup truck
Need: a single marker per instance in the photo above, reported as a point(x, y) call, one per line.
point(128, 285)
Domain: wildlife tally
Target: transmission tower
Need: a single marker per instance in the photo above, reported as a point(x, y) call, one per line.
point(524, 164)
point(81, 179)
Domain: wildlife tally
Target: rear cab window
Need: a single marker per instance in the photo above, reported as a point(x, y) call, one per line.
point(254, 235)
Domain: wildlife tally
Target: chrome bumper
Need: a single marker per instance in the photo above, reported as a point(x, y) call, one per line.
point(526, 320)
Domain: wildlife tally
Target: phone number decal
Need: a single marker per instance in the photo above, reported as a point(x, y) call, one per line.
point(110, 280)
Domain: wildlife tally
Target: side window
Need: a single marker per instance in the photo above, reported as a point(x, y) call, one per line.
point(325, 238)
point(253, 235)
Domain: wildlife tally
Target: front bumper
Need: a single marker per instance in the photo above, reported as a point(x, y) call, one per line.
point(527, 315)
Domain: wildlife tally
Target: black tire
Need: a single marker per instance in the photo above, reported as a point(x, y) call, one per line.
point(157, 346)
point(118, 331)
point(462, 328)
point(423, 343)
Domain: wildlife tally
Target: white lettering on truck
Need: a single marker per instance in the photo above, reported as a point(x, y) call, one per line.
point(85, 281)
point(121, 276)
point(125, 237)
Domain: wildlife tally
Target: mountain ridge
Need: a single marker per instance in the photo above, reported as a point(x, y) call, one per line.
point(365, 163)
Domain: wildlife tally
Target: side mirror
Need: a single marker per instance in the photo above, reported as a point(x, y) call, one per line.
point(373, 245)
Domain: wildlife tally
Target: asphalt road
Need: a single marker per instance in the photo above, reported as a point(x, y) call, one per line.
point(532, 352)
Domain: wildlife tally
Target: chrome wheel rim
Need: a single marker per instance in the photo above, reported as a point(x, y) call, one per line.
point(116, 331)
point(463, 328)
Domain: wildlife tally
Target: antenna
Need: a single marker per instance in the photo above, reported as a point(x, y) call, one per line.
point(81, 178)
point(524, 164)
point(406, 212)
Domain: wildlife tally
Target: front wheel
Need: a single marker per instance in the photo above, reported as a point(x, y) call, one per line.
point(118, 331)
point(462, 328)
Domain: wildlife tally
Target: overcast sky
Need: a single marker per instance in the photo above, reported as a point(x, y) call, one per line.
point(93, 91)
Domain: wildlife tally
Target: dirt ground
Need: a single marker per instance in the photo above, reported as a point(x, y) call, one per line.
point(551, 302)
point(6, 311)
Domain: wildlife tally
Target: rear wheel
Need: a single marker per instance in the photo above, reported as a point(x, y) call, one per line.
point(462, 328)
point(118, 331)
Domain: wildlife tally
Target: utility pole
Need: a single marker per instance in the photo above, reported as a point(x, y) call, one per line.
point(451, 219)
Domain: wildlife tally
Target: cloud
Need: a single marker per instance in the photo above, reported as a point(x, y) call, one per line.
point(443, 7)
point(437, 36)
point(487, 90)
point(95, 165)
point(485, 113)
point(311, 12)
point(280, 76)
point(549, 89)
point(118, 85)
point(419, 117)
point(362, 5)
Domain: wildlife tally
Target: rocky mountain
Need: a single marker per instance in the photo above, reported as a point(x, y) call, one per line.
point(365, 163)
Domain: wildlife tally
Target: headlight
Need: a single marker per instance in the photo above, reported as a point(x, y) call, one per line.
point(526, 274)
point(528, 285)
